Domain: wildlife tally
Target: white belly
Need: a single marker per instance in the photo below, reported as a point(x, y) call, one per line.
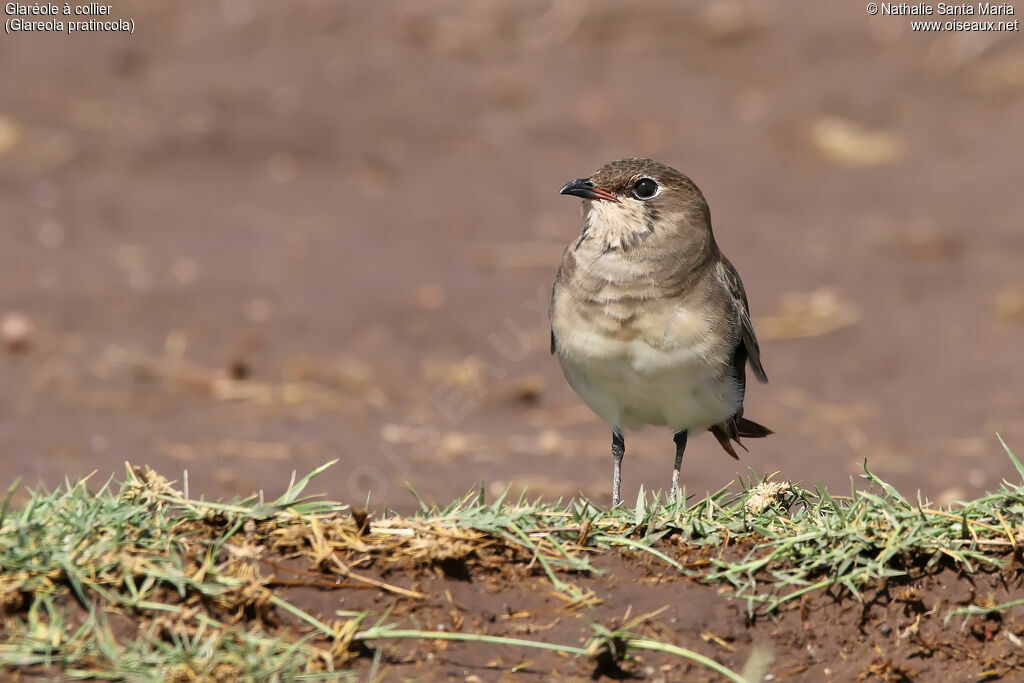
point(667, 374)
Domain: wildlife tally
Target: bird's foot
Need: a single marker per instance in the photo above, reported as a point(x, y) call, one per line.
point(673, 493)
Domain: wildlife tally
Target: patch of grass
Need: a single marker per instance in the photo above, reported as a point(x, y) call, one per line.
point(134, 578)
point(158, 561)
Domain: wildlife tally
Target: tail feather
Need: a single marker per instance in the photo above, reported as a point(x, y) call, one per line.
point(750, 429)
point(734, 429)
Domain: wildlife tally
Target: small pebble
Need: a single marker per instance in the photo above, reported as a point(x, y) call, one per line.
point(16, 331)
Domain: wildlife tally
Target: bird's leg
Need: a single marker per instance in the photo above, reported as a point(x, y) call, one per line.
point(680, 439)
point(618, 450)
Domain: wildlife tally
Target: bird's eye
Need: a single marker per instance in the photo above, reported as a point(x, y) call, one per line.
point(645, 188)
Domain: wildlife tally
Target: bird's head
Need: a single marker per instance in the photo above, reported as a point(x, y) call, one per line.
point(632, 201)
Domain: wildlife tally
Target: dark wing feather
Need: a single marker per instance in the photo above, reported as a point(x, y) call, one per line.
point(737, 426)
point(748, 350)
point(551, 308)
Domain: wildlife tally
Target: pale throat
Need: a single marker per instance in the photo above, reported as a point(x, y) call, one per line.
point(613, 226)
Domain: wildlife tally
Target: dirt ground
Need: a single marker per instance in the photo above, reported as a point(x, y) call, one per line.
point(895, 632)
point(251, 238)
point(898, 633)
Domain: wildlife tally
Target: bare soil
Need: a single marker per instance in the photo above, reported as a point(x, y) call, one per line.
point(898, 632)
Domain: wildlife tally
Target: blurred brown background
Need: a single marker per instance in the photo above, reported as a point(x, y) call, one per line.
point(253, 237)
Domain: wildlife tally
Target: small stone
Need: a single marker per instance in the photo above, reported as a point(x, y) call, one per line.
point(239, 369)
point(16, 330)
point(528, 389)
point(848, 143)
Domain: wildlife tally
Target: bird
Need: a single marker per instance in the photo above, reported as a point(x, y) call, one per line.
point(649, 319)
